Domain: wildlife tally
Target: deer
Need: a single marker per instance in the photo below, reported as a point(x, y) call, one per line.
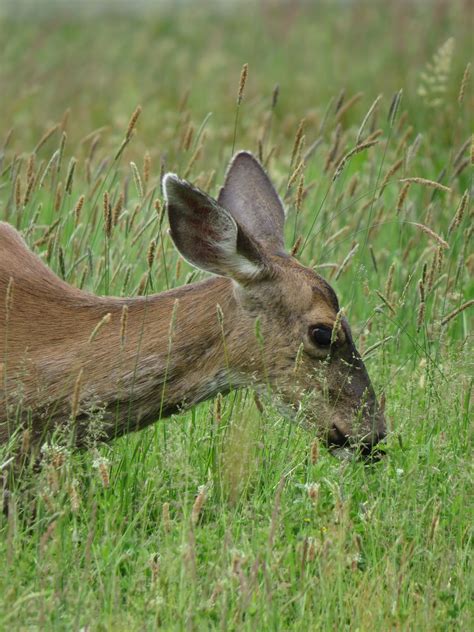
point(261, 319)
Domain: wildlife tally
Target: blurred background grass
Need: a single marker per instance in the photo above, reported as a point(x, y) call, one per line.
point(57, 56)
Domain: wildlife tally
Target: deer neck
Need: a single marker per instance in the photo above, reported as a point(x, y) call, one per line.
point(176, 349)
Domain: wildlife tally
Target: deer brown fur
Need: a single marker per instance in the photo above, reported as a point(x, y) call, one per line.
point(252, 325)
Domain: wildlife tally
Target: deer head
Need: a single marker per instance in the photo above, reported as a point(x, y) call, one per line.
point(288, 315)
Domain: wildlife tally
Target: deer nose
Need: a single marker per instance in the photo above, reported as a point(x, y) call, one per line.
point(337, 438)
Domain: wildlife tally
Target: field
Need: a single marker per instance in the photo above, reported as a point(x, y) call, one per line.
point(229, 516)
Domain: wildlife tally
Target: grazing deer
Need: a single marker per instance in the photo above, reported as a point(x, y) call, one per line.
point(261, 320)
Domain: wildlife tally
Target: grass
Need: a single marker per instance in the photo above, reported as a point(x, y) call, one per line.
point(284, 535)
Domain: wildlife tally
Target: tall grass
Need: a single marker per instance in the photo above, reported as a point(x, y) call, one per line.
point(228, 517)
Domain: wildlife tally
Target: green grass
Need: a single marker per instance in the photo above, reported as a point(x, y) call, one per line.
point(376, 547)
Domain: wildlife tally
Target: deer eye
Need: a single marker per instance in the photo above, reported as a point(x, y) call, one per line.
point(320, 335)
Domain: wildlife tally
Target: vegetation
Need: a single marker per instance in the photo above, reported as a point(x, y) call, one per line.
point(229, 517)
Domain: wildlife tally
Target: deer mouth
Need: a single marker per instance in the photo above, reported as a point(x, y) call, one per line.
point(344, 447)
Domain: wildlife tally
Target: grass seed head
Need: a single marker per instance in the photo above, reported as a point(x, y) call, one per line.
point(123, 324)
point(242, 81)
point(133, 122)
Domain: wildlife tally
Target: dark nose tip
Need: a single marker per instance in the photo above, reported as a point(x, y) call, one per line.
point(337, 438)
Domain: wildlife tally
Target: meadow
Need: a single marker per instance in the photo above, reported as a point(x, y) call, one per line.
point(229, 516)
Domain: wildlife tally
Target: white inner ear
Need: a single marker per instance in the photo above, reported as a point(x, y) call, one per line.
point(227, 246)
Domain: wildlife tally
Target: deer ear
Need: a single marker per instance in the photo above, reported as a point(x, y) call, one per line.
point(207, 236)
point(251, 199)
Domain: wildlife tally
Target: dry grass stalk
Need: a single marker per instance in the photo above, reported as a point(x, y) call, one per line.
point(146, 167)
point(30, 167)
point(421, 290)
point(420, 317)
point(460, 168)
point(58, 198)
point(297, 141)
point(210, 179)
point(296, 246)
point(349, 155)
point(433, 271)
point(352, 101)
point(386, 301)
point(460, 153)
point(62, 144)
point(242, 81)
point(74, 496)
point(198, 505)
point(275, 94)
point(336, 235)
point(301, 150)
point(29, 188)
point(389, 282)
point(457, 311)
point(431, 233)
point(433, 84)
point(143, 285)
point(45, 237)
point(440, 257)
point(334, 148)
point(126, 279)
point(117, 209)
point(132, 122)
point(48, 169)
point(103, 321)
point(352, 188)
point(337, 325)
point(427, 183)
point(296, 174)
point(366, 118)
point(314, 453)
point(158, 208)
point(393, 169)
point(165, 517)
point(137, 179)
point(313, 492)
point(459, 215)
point(107, 215)
point(402, 196)
point(346, 260)
point(374, 135)
point(61, 262)
point(47, 535)
point(18, 193)
point(299, 193)
point(76, 394)
point(339, 100)
point(46, 136)
point(103, 465)
point(150, 255)
point(70, 175)
point(218, 409)
point(123, 325)
point(196, 155)
point(404, 139)
point(188, 137)
point(77, 209)
point(394, 106)
point(375, 346)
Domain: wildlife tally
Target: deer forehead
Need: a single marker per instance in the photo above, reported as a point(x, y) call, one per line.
point(299, 292)
point(315, 288)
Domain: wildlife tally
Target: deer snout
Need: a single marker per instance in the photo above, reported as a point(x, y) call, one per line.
point(366, 443)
